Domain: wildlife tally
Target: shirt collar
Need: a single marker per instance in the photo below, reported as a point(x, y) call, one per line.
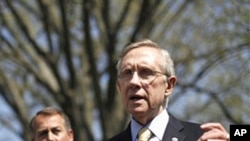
point(157, 125)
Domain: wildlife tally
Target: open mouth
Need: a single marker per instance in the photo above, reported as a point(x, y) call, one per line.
point(136, 97)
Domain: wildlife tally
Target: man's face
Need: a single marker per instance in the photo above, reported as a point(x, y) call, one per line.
point(51, 128)
point(143, 98)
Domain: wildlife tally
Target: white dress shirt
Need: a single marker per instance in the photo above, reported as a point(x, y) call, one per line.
point(157, 126)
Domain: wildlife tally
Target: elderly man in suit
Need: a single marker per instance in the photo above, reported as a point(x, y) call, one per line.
point(146, 78)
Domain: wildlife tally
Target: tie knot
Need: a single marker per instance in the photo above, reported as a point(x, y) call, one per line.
point(144, 134)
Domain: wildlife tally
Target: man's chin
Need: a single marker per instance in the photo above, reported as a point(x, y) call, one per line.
point(137, 111)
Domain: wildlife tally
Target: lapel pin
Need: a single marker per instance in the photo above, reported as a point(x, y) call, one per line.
point(174, 139)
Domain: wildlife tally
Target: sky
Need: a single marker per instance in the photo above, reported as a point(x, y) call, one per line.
point(5, 133)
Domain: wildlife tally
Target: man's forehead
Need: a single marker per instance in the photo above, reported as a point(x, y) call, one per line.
point(142, 53)
point(49, 116)
point(143, 56)
point(143, 48)
point(49, 120)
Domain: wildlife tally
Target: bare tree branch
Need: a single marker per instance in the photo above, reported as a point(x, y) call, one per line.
point(23, 28)
point(65, 43)
point(45, 21)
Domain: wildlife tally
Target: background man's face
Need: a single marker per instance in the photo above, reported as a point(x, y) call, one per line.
point(51, 128)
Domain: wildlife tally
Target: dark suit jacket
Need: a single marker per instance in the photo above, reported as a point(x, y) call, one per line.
point(183, 131)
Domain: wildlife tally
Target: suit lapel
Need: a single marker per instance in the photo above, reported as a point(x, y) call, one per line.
point(126, 135)
point(173, 130)
point(172, 133)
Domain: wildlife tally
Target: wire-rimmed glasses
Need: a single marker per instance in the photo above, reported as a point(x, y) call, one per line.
point(145, 75)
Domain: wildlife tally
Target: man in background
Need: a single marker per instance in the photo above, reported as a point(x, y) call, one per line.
point(51, 124)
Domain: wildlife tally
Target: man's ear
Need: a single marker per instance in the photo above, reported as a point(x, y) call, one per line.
point(118, 85)
point(71, 135)
point(171, 81)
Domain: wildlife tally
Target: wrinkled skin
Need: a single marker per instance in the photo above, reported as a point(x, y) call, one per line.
point(144, 100)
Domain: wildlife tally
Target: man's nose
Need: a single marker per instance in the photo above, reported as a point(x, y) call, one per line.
point(50, 136)
point(135, 79)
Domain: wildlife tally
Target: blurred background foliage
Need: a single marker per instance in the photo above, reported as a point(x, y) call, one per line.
point(63, 53)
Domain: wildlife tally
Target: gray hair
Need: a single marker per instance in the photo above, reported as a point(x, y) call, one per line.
point(166, 62)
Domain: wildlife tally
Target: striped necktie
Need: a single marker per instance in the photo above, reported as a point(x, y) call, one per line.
point(144, 134)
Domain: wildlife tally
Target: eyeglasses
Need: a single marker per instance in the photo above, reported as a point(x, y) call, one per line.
point(145, 75)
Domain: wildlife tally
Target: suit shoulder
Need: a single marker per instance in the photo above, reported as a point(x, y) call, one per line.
point(122, 136)
point(192, 124)
point(192, 128)
point(115, 138)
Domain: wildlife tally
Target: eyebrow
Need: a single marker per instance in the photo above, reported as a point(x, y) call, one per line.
point(46, 129)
